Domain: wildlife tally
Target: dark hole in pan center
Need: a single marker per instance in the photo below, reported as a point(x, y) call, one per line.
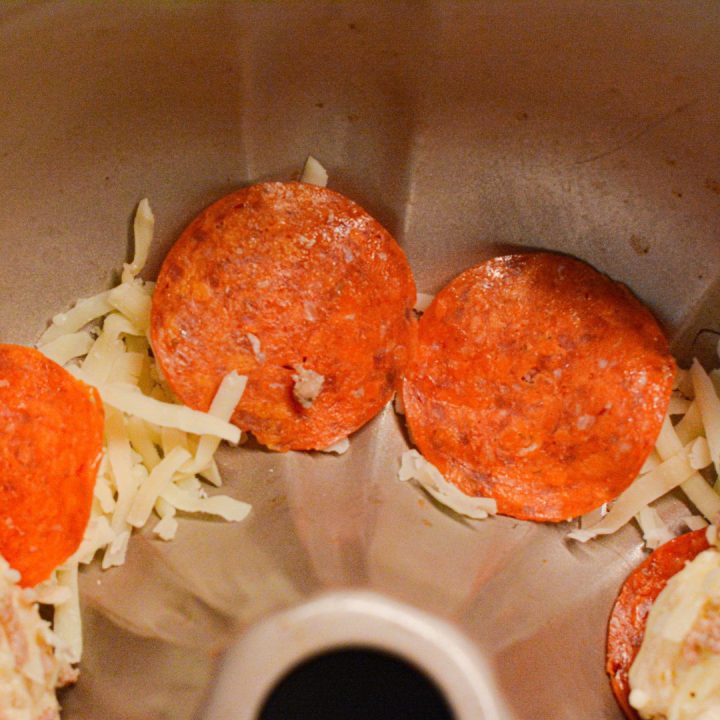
point(355, 684)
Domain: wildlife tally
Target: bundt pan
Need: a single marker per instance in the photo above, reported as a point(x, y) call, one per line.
point(469, 129)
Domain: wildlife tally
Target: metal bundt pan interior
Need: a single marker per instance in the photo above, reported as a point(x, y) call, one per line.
point(467, 129)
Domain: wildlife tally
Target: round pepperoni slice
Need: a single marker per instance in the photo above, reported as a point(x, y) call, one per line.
point(628, 619)
point(539, 382)
point(51, 434)
point(298, 288)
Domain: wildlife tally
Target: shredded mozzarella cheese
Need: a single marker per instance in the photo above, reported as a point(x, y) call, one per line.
point(655, 531)
point(131, 401)
point(422, 302)
point(694, 522)
point(143, 229)
point(594, 516)
point(314, 173)
point(84, 312)
point(413, 466)
point(67, 347)
point(338, 448)
point(709, 407)
point(188, 501)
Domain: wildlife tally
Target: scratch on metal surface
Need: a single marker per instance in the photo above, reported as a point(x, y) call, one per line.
point(648, 127)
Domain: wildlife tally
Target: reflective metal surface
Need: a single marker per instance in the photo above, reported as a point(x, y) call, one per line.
point(467, 129)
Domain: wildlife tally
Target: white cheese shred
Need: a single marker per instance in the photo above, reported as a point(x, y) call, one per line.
point(132, 300)
point(121, 466)
point(422, 302)
point(84, 312)
point(594, 516)
point(130, 400)
point(166, 528)
point(67, 623)
point(67, 347)
point(709, 406)
point(413, 466)
point(691, 425)
point(655, 531)
point(143, 229)
point(225, 507)
point(152, 488)
point(338, 448)
point(314, 173)
point(694, 522)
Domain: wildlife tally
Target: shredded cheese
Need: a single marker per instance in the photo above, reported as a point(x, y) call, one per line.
point(338, 448)
point(314, 173)
point(133, 301)
point(187, 501)
point(694, 522)
point(84, 312)
point(222, 407)
point(413, 466)
point(131, 400)
point(143, 229)
point(699, 453)
point(66, 620)
point(651, 462)
point(67, 347)
point(655, 531)
point(594, 516)
point(690, 425)
point(153, 486)
point(422, 302)
point(709, 407)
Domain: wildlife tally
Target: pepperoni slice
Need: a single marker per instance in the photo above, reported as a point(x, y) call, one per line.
point(539, 382)
point(299, 288)
point(628, 619)
point(51, 433)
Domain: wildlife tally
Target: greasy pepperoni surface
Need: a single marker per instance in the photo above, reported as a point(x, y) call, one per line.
point(51, 432)
point(539, 382)
point(628, 619)
point(311, 276)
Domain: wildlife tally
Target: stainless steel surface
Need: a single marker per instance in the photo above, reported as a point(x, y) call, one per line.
point(467, 129)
